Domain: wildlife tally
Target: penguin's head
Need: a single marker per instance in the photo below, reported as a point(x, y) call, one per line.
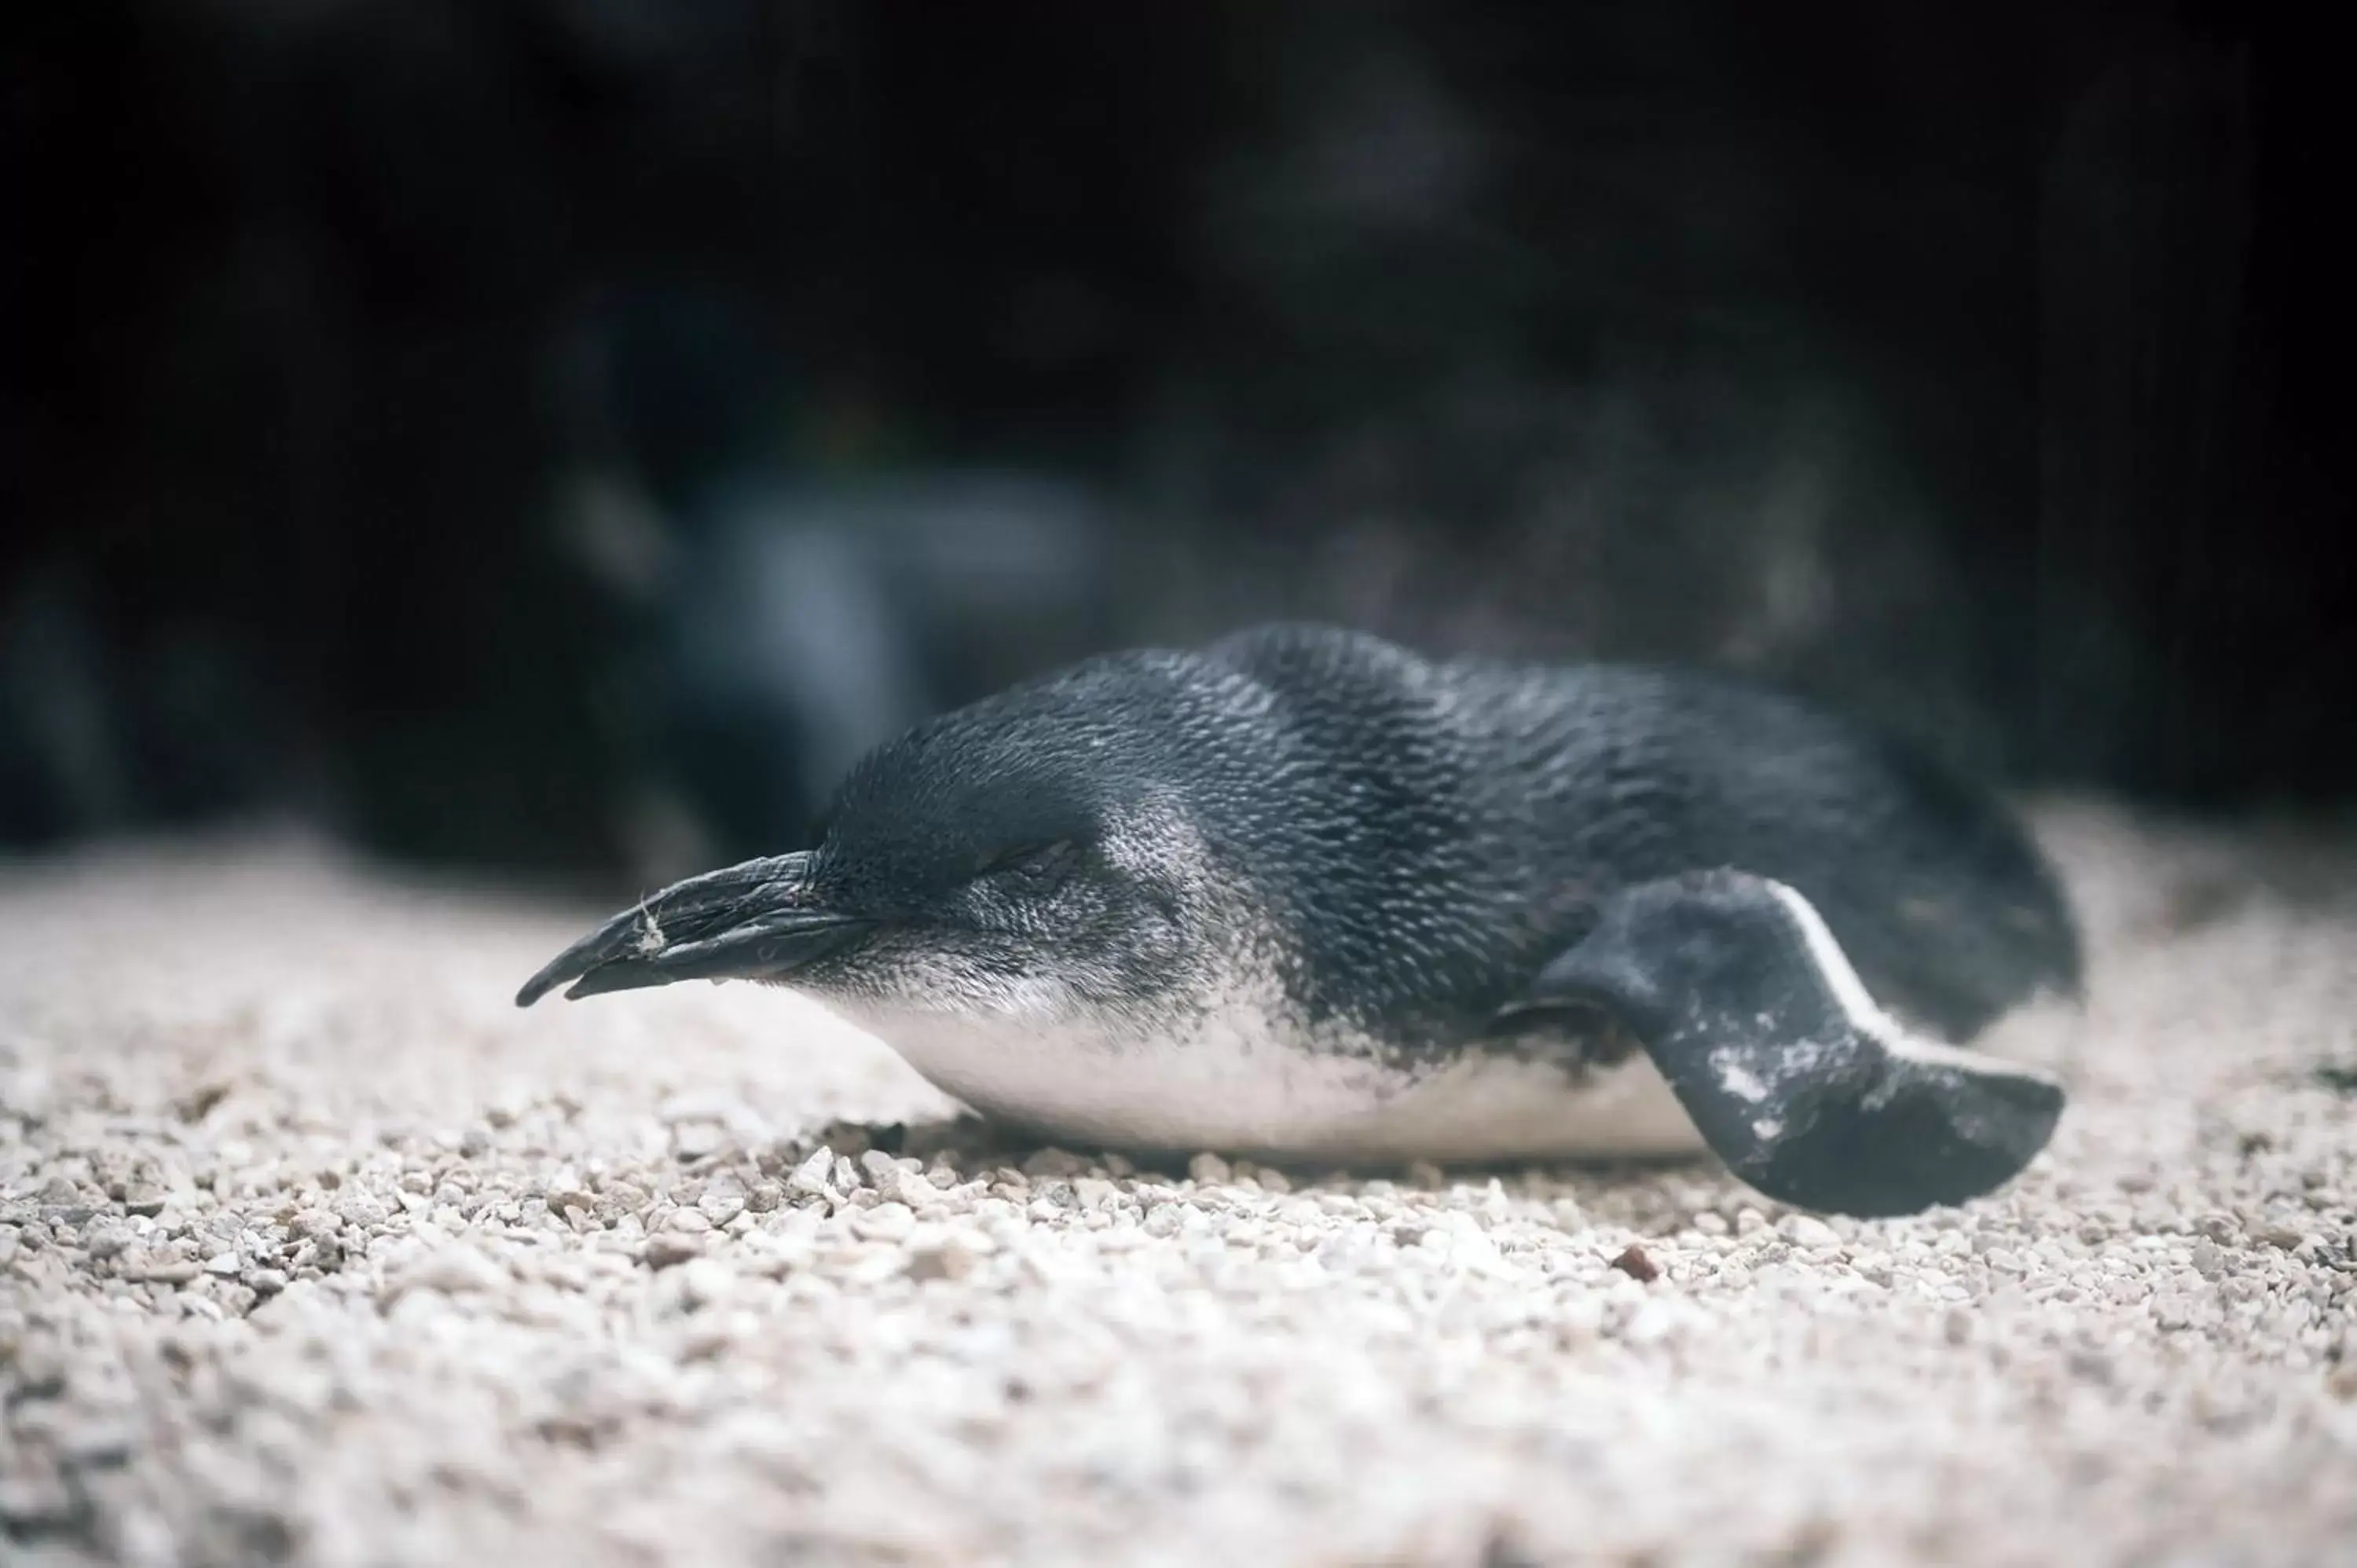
point(1027, 857)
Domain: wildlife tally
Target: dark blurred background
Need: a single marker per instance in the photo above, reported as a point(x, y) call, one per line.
point(553, 436)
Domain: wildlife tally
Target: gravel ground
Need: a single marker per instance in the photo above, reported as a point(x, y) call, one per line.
point(313, 1249)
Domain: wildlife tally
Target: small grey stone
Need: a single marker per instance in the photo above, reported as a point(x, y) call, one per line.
point(2090, 1366)
point(847, 1140)
point(1208, 1170)
point(144, 1200)
point(326, 1256)
point(108, 1241)
point(949, 1261)
point(315, 1225)
point(667, 1248)
point(164, 1271)
point(1053, 1162)
point(625, 1196)
point(723, 1201)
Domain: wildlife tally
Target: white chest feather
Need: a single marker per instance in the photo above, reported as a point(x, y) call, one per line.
point(1231, 1083)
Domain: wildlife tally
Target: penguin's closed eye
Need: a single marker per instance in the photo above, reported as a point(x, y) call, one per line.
point(1041, 857)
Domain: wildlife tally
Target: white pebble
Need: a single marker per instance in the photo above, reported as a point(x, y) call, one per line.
point(885, 1222)
point(722, 1201)
point(1808, 1231)
point(704, 1281)
point(809, 1177)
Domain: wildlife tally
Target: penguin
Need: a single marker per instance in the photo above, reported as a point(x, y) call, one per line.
point(1305, 895)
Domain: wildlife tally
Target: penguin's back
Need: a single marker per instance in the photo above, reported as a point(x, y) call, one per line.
point(1447, 825)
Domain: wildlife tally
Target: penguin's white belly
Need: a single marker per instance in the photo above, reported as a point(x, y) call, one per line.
point(1240, 1089)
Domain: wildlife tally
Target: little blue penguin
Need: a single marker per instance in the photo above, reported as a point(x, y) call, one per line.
point(1306, 894)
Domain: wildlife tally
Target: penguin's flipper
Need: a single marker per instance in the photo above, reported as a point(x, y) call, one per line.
point(1791, 1072)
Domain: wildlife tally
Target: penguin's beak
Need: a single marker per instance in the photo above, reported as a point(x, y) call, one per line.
point(754, 921)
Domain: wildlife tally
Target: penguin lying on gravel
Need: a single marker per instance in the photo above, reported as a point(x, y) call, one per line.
point(1306, 895)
